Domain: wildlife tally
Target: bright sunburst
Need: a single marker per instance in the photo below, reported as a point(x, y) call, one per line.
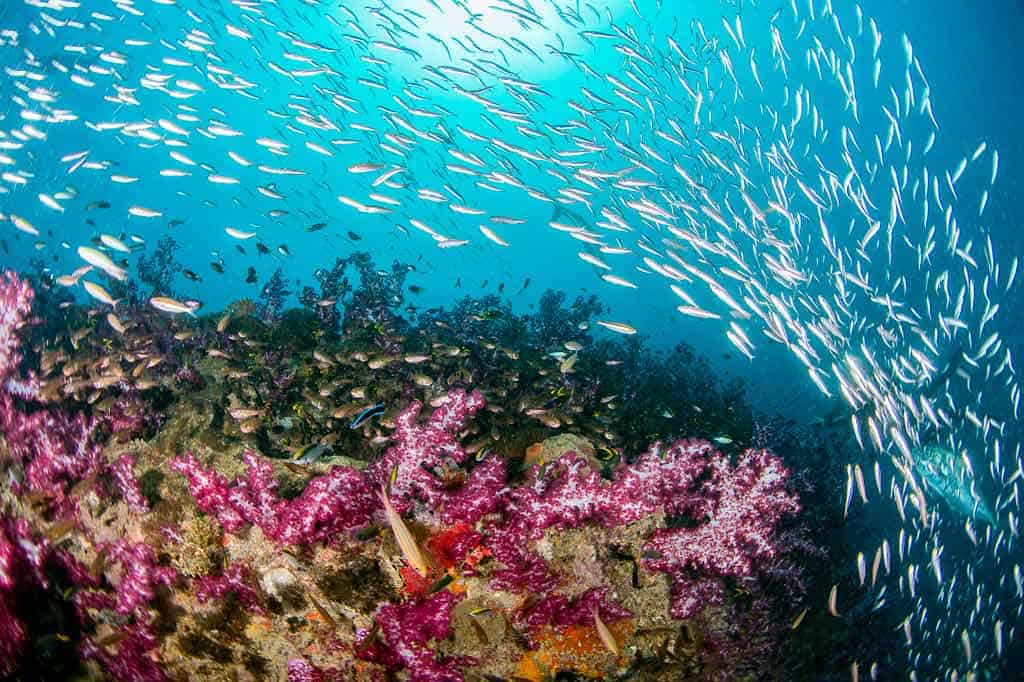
point(515, 35)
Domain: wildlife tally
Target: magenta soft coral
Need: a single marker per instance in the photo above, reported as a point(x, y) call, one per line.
point(21, 561)
point(122, 470)
point(140, 575)
point(55, 448)
point(733, 512)
point(236, 580)
point(131, 661)
point(15, 304)
point(331, 504)
point(136, 574)
point(739, 507)
point(423, 448)
point(404, 643)
point(734, 508)
point(344, 498)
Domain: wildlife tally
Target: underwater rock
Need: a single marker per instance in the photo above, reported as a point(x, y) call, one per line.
point(551, 449)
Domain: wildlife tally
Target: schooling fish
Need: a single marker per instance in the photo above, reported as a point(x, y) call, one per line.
point(169, 305)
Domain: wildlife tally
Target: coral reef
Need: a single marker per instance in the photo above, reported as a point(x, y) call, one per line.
point(356, 535)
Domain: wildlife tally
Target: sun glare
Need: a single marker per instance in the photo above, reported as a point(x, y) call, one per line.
point(447, 31)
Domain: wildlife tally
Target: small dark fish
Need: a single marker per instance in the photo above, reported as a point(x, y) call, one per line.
point(441, 583)
point(316, 227)
point(217, 267)
point(296, 469)
point(90, 222)
point(526, 283)
point(191, 276)
point(241, 250)
point(367, 414)
point(501, 288)
point(458, 282)
point(415, 289)
point(262, 248)
point(175, 223)
point(97, 204)
point(3, 243)
point(368, 533)
point(354, 236)
point(484, 285)
point(250, 275)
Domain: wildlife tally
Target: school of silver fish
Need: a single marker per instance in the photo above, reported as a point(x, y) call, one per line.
point(768, 164)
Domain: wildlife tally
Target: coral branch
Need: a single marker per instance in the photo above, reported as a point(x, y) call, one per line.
point(406, 633)
point(338, 501)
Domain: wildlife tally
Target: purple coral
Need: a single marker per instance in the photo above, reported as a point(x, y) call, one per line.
point(21, 561)
point(15, 304)
point(55, 448)
point(421, 448)
point(560, 611)
point(344, 498)
point(338, 501)
point(735, 510)
point(406, 631)
point(159, 268)
point(140, 575)
point(137, 574)
point(479, 496)
point(123, 471)
point(301, 670)
point(235, 580)
point(742, 505)
point(132, 661)
point(272, 298)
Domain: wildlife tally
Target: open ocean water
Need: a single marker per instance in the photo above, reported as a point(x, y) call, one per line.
point(268, 227)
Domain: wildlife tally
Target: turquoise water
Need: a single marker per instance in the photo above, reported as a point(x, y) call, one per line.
point(565, 117)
